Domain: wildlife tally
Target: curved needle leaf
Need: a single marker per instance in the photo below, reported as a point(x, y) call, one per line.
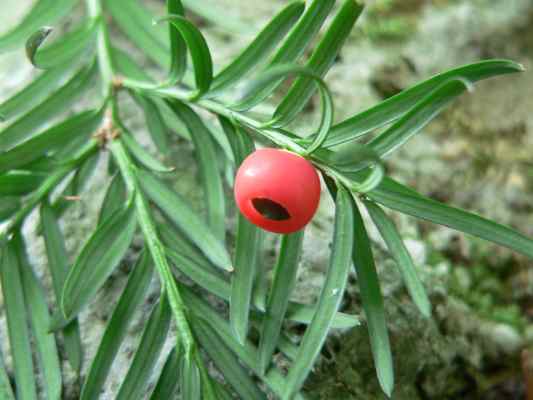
point(198, 49)
point(68, 48)
point(17, 329)
point(178, 48)
point(278, 298)
point(395, 196)
point(321, 60)
point(97, 260)
point(418, 117)
point(207, 157)
point(152, 341)
point(259, 48)
point(177, 210)
point(131, 298)
point(395, 107)
point(372, 300)
point(330, 296)
point(45, 344)
point(59, 266)
point(401, 255)
point(44, 12)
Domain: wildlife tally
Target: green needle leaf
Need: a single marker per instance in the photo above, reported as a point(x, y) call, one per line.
point(321, 60)
point(44, 12)
point(58, 265)
point(131, 298)
point(278, 299)
point(114, 199)
point(19, 183)
point(167, 384)
point(177, 210)
point(226, 362)
point(155, 122)
point(190, 383)
point(422, 207)
point(178, 47)
point(45, 344)
point(206, 155)
point(259, 48)
point(418, 117)
point(402, 257)
point(372, 300)
point(97, 260)
point(330, 296)
point(64, 50)
point(395, 107)
point(80, 125)
point(140, 154)
point(17, 329)
point(155, 333)
point(27, 125)
point(198, 49)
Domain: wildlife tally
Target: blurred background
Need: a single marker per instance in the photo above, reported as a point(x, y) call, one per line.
point(477, 155)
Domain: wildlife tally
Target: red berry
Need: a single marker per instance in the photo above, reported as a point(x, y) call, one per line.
point(277, 190)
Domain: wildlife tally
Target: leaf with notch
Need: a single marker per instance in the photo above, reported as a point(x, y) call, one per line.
point(64, 50)
point(330, 295)
point(198, 50)
point(180, 213)
point(418, 117)
point(58, 266)
point(44, 12)
point(206, 156)
point(418, 206)
point(44, 341)
point(321, 60)
point(131, 298)
point(60, 100)
point(16, 317)
point(97, 260)
point(259, 48)
point(59, 135)
point(278, 299)
point(395, 107)
point(226, 362)
point(401, 255)
point(147, 354)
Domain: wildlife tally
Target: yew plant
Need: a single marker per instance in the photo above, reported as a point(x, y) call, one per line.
point(45, 163)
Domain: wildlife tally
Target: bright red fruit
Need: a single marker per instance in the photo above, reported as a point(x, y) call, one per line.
point(277, 190)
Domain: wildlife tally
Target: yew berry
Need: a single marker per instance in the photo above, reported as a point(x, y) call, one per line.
point(277, 190)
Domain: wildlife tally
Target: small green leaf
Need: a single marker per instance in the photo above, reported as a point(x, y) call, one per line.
point(154, 121)
point(58, 266)
point(45, 344)
point(372, 300)
point(44, 12)
point(132, 297)
point(71, 46)
point(321, 60)
point(28, 124)
point(394, 196)
point(227, 363)
point(259, 48)
point(178, 47)
point(278, 300)
point(418, 117)
point(152, 341)
point(167, 384)
point(395, 107)
point(97, 260)
point(206, 156)
point(19, 183)
point(80, 125)
point(402, 257)
point(185, 219)
point(140, 154)
point(35, 92)
point(198, 50)
point(190, 383)
point(114, 199)
point(330, 295)
point(17, 328)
